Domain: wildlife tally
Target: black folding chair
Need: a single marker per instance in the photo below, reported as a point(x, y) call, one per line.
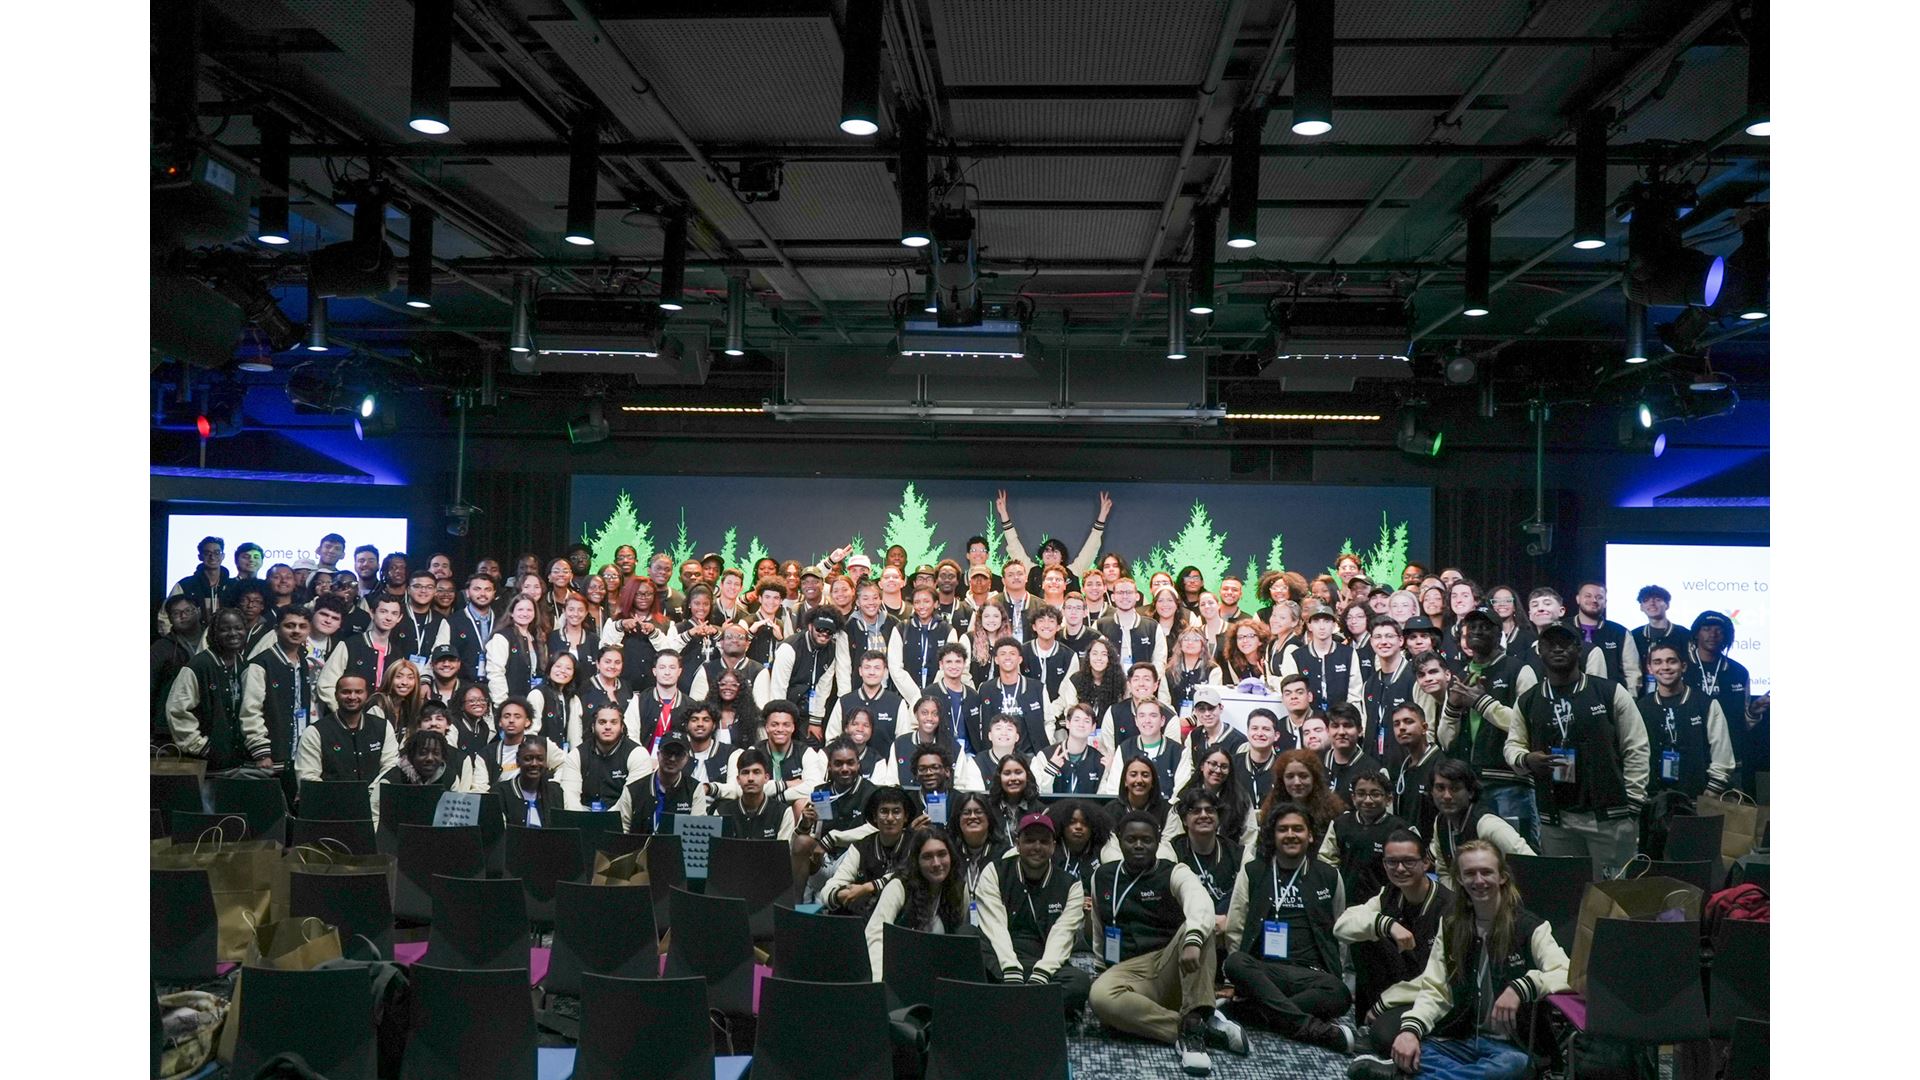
point(601, 930)
point(468, 1024)
point(1698, 874)
point(184, 931)
point(757, 871)
point(1738, 982)
point(1696, 838)
point(541, 859)
point(478, 923)
point(404, 804)
point(1552, 889)
point(425, 852)
point(335, 800)
point(359, 905)
point(356, 836)
point(819, 948)
point(1748, 1054)
point(666, 872)
point(788, 1045)
point(1029, 1028)
point(911, 962)
point(712, 940)
point(261, 799)
point(190, 825)
point(324, 1015)
point(156, 824)
point(588, 821)
point(655, 1028)
point(1630, 999)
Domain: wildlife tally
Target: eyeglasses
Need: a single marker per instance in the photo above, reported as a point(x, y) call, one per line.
point(1402, 864)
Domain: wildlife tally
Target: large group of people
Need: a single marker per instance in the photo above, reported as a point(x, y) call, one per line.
point(1038, 752)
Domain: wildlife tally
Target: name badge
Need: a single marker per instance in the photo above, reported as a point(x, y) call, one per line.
point(1273, 939)
point(813, 696)
point(598, 805)
point(937, 807)
point(1113, 944)
point(420, 662)
point(535, 682)
point(823, 806)
point(1669, 765)
point(1563, 773)
point(973, 912)
point(1186, 708)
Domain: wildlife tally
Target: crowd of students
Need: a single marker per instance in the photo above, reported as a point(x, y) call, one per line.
point(1035, 752)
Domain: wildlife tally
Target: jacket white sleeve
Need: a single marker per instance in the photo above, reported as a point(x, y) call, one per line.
point(253, 718)
point(844, 876)
point(330, 673)
point(307, 758)
point(892, 899)
point(1196, 903)
point(1110, 780)
point(1066, 930)
point(1329, 847)
point(1720, 763)
point(1015, 549)
point(570, 788)
point(1631, 733)
point(497, 652)
point(1363, 922)
point(966, 776)
point(1494, 830)
point(1630, 664)
point(903, 683)
point(1089, 551)
point(181, 701)
point(1237, 907)
point(992, 914)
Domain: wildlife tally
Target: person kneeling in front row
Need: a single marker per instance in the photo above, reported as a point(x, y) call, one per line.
point(1493, 960)
point(1030, 914)
point(1153, 924)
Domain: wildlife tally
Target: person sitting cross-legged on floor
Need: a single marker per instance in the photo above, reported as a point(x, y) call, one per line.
point(1282, 956)
point(1152, 931)
point(1493, 960)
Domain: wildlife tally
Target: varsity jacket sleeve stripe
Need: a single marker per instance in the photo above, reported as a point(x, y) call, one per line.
point(992, 914)
point(1236, 907)
point(1362, 923)
point(844, 875)
point(1720, 762)
point(1494, 830)
point(330, 673)
point(1432, 997)
point(1634, 747)
point(1089, 551)
point(1066, 930)
point(1516, 747)
point(181, 704)
point(1195, 903)
point(253, 720)
point(892, 899)
point(1550, 977)
point(1015, 550)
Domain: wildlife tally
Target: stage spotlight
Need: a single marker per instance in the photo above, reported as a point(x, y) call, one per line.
point(1479, 260)
point(521, 340)
point(368, 403)
point(1643, 412)
point(583, 178)
point(1461, 368)
point(736, 314)
point(914, 230)
point(1746, 288)
point(592, 428)
point(1636, 333)
point(1661, 269)
point(377, 424)
point(420, 256)
point(1243, 181)
point(932, 304)
point(1638, 439)
point(316, 321)
point(273, 174)
point(1205, 220)
point(1590, 180)
point(860, 69)
point(1176, 317)
point(428, 112)
point(673, 261)
point(1759, 116)
point(1313, 67)
point(1416, 439)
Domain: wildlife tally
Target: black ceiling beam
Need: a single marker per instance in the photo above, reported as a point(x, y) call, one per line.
point(1724, 36)
point(1617, 154)
point(1185, 92)
point(492, 265)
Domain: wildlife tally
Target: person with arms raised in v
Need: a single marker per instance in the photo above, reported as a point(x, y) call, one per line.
point(1053, 552)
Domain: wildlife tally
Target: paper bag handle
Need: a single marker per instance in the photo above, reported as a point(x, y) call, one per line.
point(1681, 895)
point(1738, 796)
point(217, 831)
point(1638, 857)
point(175, 747)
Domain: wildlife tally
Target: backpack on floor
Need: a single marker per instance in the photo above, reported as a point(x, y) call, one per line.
point(1748, 902)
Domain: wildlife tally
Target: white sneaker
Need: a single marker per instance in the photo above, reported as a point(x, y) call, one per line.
point(1193, 1056)
point(1226, 1034)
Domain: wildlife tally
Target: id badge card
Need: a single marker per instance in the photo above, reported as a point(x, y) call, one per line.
point(598, 805)
point(1113, 945)
point(823, 807)
point(973, 913)
point(1669, 765)
point(1186, 708)
point(420, 662)
point(937, 807)
point(1563, 773)
point(813, 697)
point(1273, 939)
point(536, 682)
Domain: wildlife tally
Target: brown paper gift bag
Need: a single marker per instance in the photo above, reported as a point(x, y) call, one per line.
point(1638, 898)
point(241, 873)
point(628, 869)
point(287, 945)
point(1746, 823)
point(327, 857)
point(177, 765)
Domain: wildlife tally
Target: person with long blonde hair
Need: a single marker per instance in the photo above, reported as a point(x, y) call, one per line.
point(402, 693)
point(1491, 965)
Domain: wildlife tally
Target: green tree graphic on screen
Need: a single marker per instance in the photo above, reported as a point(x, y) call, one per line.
point(1386, 560)
point(755, 552)
point(910, 528)
point(623, 526)
point(996, 547)
point(1196, 545)
point(729, 548)
point(683, 548)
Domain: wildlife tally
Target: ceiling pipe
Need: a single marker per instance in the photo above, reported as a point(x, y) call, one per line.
point(491, 265)
point(604, 44)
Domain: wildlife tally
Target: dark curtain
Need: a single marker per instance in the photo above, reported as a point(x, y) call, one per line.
point(1478, 530)
point(519, 512)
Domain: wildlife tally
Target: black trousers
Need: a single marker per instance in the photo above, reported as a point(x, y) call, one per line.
point(1290, 998)
point(1075, 984)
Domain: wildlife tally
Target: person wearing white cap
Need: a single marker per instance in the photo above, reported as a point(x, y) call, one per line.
point(1210, 728)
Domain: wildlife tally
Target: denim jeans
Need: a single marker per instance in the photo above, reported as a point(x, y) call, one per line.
point(1514, 803)
point(1476, 1058)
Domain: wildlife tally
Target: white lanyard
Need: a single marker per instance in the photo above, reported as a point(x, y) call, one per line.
point(1710, 681)
point(1559, 721)
point(1290, 883)
point(1119, 894)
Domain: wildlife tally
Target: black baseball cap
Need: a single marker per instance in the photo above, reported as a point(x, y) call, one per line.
point(443, 652)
